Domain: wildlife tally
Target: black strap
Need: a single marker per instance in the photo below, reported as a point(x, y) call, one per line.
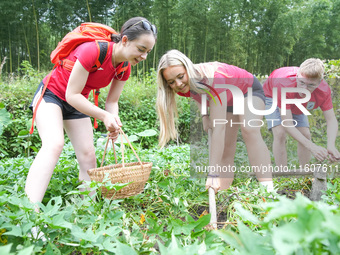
point(103, 48)
point(122, 68)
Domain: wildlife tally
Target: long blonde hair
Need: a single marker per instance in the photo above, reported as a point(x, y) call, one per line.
point(166, 102)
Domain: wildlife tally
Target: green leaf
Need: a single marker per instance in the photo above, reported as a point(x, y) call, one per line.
point(287, 238)
point(202, 222)
point(52, 207)
point(148, 132)
point(245, 214)
point(52, 249)
point(26, 251)
point(246, 242)
point(124, 249)
point(116, 186)
point(132, 138)
point(59, 222)
point(16, 231)
point(23, 133)
point(6, 249)
point(5, 119)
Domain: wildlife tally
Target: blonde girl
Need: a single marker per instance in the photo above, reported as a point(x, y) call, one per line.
point(178, 75)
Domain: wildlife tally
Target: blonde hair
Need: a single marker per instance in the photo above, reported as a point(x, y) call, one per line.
point(312, 68)
point(166, 102)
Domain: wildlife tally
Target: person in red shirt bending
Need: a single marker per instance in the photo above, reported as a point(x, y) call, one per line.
point(309, 76)
point(65, 105)
point(177, 74)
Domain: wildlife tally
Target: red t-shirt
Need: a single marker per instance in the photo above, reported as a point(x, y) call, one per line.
point(87, 54)
point(285, 77)
point(229, 75)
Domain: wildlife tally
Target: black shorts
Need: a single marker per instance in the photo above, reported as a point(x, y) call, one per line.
point(257, 92)
point(68, 111)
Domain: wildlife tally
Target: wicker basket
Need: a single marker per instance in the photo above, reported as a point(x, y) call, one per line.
point(137, 172)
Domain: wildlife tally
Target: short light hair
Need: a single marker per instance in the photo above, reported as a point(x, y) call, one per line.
point(312, 68)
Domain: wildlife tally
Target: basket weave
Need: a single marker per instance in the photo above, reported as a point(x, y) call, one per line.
point(137, 172)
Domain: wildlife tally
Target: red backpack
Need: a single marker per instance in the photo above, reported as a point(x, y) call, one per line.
point(86, 32)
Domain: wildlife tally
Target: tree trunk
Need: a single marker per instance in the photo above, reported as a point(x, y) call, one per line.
point(10, 50)
point(27, 45)
point(37, 31)
point(88, 9)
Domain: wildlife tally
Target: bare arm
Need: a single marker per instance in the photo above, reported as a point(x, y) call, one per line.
point(115, 91)
point(332, 132)
point(217, 112)
point(319, 152)
point(74, 97)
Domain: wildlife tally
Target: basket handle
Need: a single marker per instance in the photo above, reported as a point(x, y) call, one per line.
point(114, 151)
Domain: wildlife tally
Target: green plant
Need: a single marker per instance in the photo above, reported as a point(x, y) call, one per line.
point(5, 118)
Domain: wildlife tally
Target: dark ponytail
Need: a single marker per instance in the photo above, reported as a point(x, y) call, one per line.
point(116, 38)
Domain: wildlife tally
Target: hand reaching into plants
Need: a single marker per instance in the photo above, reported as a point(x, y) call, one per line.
point(214, 182)
point(319, 152)
point(333, 154)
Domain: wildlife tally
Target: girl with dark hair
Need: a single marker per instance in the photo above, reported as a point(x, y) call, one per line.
point(65, 105)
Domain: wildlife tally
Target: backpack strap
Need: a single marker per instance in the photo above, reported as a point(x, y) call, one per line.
point(122, 69)
point(103, 47)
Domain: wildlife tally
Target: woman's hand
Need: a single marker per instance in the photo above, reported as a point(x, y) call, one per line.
point(320, 153)
point(213, 182)
point(112, 122)
point(333, 153)
point(113, 135)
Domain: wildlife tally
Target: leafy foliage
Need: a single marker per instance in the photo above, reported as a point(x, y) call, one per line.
point(259, 36)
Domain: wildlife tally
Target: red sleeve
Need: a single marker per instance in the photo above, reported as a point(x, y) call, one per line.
point(87, 54)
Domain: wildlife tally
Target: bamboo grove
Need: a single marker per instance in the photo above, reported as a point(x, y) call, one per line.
point(258, 35)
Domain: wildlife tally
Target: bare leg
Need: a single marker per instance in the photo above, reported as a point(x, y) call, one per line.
point(303, 153)
point(279, 145)
point(50, 127)
point(229, 151)
point(81, 135)
point(258, 152)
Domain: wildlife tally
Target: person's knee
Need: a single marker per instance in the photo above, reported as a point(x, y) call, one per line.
point(279, 134)
point(53, 146)
point(250, 133)
point(88, 154)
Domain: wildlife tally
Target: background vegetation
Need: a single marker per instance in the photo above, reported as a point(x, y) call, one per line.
point(257, 35)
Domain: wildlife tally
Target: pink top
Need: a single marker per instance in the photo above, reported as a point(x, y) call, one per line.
point(229, 75)
point(285, 77)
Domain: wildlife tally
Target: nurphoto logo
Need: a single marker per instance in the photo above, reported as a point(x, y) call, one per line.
point(238, 104)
